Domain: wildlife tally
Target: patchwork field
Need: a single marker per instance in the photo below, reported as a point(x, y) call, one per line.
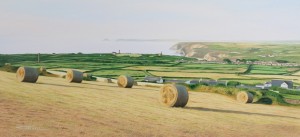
point(195, 68)
point(294, 78)
point(262, 51)
point(272, 70)
point(297, 73)
point(194, 75)
point(170, 67)
point(53, 107)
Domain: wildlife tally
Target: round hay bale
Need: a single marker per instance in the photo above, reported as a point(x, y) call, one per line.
point(125, 81)
point(27, 74)
point(244, 97)
point(74, 76)
point(174, 95)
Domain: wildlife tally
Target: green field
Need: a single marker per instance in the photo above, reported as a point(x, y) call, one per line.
point(272, 70)
point(138, 66)
point(296, 97)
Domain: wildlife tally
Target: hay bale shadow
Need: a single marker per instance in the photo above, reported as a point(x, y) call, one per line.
point(264, 100)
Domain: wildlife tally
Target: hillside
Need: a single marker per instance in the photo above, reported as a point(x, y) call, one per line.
point(53, 107)
point(217, 51)
point(141, 65)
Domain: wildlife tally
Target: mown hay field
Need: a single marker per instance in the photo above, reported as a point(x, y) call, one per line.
point(54, 107)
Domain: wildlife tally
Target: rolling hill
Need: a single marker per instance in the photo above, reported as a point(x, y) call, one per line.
point(263, 51)
point(53, 107)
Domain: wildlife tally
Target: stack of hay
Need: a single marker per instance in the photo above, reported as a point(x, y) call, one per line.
point(244, 97)
point(74, 76)
point(27, 74)
point(9, 68)
point(174, 95)
point(125, 81)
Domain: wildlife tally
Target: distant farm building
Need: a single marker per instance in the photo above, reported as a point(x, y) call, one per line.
point(192, 82)
point(153, 79)
point(276, 83)
point(282, 84)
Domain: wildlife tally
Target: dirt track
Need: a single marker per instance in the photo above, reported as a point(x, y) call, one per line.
point(53, 107)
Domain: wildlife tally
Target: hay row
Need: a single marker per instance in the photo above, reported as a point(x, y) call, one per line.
point(43, 71)
point(105, 80)
point(170, 94)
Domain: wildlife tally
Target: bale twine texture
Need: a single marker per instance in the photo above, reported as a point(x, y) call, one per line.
point(174, 95)
point(74, 76)
point(125, 81)
point(244, 97)
point(27, 74)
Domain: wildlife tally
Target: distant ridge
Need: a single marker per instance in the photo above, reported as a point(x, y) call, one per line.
point(263, 51)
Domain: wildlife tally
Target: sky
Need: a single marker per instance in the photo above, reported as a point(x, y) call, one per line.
point(74, 25)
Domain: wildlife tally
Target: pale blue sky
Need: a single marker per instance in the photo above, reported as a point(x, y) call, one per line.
point(60, 25)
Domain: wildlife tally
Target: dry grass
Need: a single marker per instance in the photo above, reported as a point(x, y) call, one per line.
point(219, 75)
point(53, 107)
point(179, 69)
point(66, 69)
point(157, 68)
point(297, 73)
point(295, 78)
point(206, 75)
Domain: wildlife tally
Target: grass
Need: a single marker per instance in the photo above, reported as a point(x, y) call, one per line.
point(296, 79)
point(271, 70)
point(115, 73)
point(108, 65)
point(297, 73)
point(288, 51)
point(195, 68)
point(296, 97)
point(194, 75)
point(53, 107)
point(260, 97)
point(249, 81)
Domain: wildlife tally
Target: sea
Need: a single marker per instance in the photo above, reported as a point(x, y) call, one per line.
point(144, 47)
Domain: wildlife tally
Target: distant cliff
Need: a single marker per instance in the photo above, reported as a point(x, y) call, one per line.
point(199, 50)
point(217, 51)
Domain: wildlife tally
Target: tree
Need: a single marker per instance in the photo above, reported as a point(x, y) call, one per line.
point(228, 61)
point(233, 83)
point(282, 61)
